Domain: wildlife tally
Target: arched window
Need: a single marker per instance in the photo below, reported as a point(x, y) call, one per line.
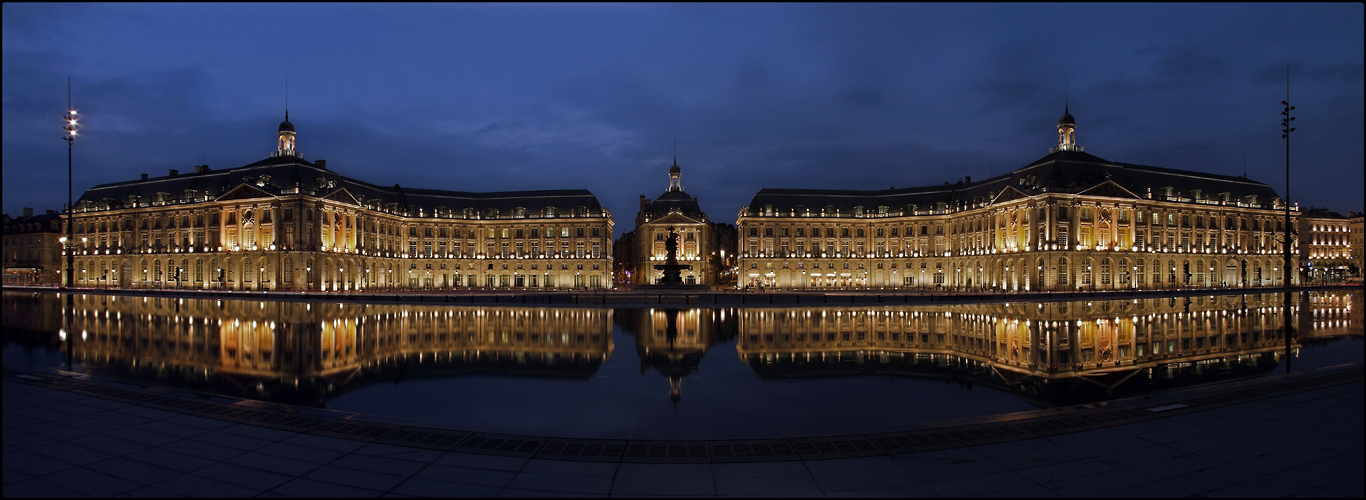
point(1086, 272)
point(1105, 271)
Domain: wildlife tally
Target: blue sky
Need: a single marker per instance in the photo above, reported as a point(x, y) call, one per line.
point(503, 97)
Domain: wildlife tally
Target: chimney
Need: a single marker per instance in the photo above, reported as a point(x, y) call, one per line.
point(199, 169)
point(321, 164)
point(968, 179)
point(174, 172)
point(144, 177)
point(28, 212)
point(51, 212)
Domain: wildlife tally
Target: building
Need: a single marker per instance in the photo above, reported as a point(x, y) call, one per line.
point(33, 248)
point(1325, 247)
point(1356, 241)
point(701, 243)
point(1067, 221)
point(287, 223)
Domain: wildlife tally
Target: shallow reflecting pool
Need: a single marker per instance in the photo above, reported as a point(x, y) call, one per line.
point(643, 373)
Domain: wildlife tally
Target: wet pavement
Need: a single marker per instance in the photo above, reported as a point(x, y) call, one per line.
point(1275, 436)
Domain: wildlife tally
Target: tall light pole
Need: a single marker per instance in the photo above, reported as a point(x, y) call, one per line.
point(70, 139)
point(68, 246)
point(1286, 129)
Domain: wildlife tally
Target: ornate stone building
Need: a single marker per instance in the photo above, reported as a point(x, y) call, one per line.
point(1325, 246)
point(287, 223)
point(1067, 221)
point(1356, 230)
point(33, 248)
point(701, 243)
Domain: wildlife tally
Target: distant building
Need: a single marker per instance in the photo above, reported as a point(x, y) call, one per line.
point(1067, 221)
point(701, 243)
point(1356, 238)
point(287, 223)
point(1325, 247)
point(33, 248)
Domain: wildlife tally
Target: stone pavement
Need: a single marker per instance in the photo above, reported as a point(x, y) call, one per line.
point(60, 442)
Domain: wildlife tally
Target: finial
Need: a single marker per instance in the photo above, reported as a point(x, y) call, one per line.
point(675, 147)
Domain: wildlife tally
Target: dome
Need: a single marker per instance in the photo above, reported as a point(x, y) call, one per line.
point(1066, 118)
point(286, 126)
point(674, 169)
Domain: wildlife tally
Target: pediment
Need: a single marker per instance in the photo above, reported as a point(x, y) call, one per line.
point(675, 218)
point(1008, 194)
point(1109, 189)
point(341, 195)
point(245, 191)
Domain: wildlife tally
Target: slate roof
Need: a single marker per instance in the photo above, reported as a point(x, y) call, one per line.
point(281, 173)
point(673, 202)
point(1059, 172)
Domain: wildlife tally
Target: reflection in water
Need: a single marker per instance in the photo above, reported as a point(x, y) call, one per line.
point(673, 341)
point(300, 352)
point(1051, 353)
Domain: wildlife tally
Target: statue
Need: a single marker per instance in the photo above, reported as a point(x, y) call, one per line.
point(672, 269)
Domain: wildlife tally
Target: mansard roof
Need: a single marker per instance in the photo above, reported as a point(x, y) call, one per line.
point(1069, 172)
point(281, 175)
point(673, 202)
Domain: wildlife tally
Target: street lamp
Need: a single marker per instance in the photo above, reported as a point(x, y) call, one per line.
point(260, 279)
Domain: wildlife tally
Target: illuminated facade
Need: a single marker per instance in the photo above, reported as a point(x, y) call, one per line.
point(700, 242)
point(33, 249)
point(1356, 238)
point(288, 223)
point(1068, 221)
point(1325, 246)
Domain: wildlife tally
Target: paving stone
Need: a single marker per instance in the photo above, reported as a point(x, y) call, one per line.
point(199, 422)
point(399, 452)
point(482, 461)
point(34, 464)
point(147, 413)
point(1092, 485)
point(22, 439)
point(132, 470)
point(230, 440)
point(72, 453)
point(379, 464)
point(272, 463)
point(264, 433)
point(91, 482)
point(467, 475)
point(324, 442)
point(1260, 487)
point(757, 469)
point(58, 431)
point(988, 483)
point(1210, 479)
point(308, 488)
point(355, 478)
point(202, 487)
point(299, 452)
point(521, 493)
point(572, 484)
point(844, 465)
point(865, 480)
point(422, 487)
point(202, 450)
point(142, 435)
point(567, 468)
point(896, 491)
point(245, 477)
point(169, 459)
point(673, 470)
point(636, 486)
point(771, 485)
point(168, 428)
point(111, 445)
point(38, 488)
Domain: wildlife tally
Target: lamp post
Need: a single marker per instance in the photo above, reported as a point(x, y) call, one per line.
point(261, 279)
point(1286, 129)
